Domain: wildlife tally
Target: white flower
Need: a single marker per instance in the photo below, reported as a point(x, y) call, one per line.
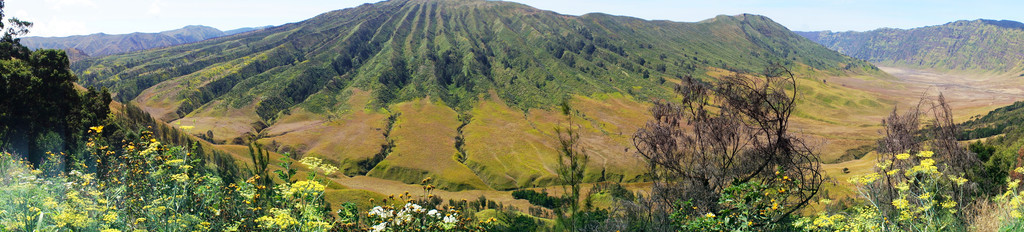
point(450, 218)
point(379, 227)
point(402, 217)
point(449, 221)
point(414, 208)
point(434, 213)
point(380, 212)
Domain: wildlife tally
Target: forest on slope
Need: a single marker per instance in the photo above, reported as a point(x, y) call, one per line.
point(976, 45)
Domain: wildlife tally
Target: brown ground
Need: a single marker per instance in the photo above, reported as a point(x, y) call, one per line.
point(969, 94)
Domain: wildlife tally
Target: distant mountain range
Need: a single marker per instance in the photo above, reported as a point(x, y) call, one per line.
point(100, 44)
point(981, 44)
point(462, 91)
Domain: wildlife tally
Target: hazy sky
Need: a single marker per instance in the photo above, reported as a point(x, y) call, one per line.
point(75, 17)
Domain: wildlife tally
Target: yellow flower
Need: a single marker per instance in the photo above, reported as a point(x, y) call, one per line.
point(181, 177)
point(948, 204)
point(925, 196)
point(175, 162)
point(328, 169)
point(1019, 170)
point(925, 154)
point(97, 129)
point(869, 178)
point(186, 128)
point(958, 179)
point(110, 217)
point(900, 203)
point(710, 215)
point(1013, 184)
point(884, 164)
point(281, 219)
point(1015, 214)
point(903, 156)
point(110, 230)
point(311, 162)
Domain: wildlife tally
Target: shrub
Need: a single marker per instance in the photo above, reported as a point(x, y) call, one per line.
point(151, 186)
point(538, 198)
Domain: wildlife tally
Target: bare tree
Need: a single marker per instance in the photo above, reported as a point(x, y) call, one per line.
point(733, 131)
point(958, 159)
point(904, 134)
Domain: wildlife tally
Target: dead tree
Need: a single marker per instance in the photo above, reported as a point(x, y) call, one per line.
point(734, 130)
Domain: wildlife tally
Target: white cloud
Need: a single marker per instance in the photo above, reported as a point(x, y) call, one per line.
point(60, 4)
point(58, 27)
point(22, 14)
point(155, 8)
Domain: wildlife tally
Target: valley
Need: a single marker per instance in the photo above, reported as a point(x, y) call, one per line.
point(486, 112)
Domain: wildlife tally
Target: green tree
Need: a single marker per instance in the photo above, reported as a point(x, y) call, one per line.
point(41, 111)
point(572, 163)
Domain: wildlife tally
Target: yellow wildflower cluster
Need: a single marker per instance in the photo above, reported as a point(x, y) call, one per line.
point(866, 179)
point(927, 166)
point(180, 177)
point(923, 193)
point(901, 203)
point(279, 219)
point(316, 163)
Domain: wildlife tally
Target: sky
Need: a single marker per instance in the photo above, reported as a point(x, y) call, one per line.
point(78, 17)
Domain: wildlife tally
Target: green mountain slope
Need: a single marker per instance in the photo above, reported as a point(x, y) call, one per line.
point(461, 91)
point(962, 45)
point(104, 44)
point(996, 122)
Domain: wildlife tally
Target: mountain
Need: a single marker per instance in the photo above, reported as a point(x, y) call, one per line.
point(462, 91)
point(244, 30)
point(962, 45)
point(104, 44)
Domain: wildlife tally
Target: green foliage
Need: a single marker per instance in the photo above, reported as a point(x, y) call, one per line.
point(511, 221)
point(1010, 210)
point(744, 206)
point(41, 109)
point(538, 198)
point(159, 187)
point(998, 121)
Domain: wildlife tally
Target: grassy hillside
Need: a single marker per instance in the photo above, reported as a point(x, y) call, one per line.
point(389, 89)
point(996, 122)
point(962, 45)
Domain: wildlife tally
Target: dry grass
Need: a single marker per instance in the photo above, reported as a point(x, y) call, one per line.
point(352, 137)
point(226, 123)
point(424, 138)
point(986, 216)
point(506, 150)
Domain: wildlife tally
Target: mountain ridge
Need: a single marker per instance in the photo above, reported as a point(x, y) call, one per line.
point(352, 86)
point(981, 44)
point(102, 44)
